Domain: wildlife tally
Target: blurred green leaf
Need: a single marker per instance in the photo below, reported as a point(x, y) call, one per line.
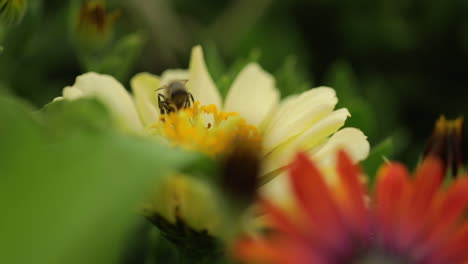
point(290, 78)
point(377, 157)
point(342, 79)
point(71, 184)
point(120, 60)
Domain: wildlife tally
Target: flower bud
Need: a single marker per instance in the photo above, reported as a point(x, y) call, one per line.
point(446, 143)
point(93, 26)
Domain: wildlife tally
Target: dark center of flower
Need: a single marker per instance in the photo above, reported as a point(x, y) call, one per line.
point(240, 170)
point(377, 256)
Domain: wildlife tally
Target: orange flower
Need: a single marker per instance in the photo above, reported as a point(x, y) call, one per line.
point(405, 220)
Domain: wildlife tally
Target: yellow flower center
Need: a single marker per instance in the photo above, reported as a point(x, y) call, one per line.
point(205, 129)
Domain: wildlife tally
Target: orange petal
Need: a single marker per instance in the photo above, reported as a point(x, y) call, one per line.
point(453, 203)
point(356, 211)
point(282, 222)
point(392, 184)
point(257, 251)
point(455, 250)
point(315, 198)
point(424, 188)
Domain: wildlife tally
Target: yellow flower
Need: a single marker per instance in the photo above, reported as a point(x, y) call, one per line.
point(252, 109)
point(305, 122)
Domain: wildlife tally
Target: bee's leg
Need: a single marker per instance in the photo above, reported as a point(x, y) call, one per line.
point(190, 99)
point(187, 103)
point(162, 104)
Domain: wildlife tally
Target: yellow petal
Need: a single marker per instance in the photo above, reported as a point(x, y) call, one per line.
point(144, 86)
point(253, 94)
point(314, 136)
point(350, 139)
point(296, 114)
point(200, 83)
point(111, 93)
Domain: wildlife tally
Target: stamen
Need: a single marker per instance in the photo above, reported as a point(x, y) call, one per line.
point(189, 129)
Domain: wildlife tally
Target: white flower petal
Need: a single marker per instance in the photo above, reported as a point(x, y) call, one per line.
point(253, 94)
point(200, 83)
point(173, 75)
point(111, 93)
point(315, 135)
point(144, 86)
point(71, 93)
point(296, 114)
point(350, 139)
point(278, 190)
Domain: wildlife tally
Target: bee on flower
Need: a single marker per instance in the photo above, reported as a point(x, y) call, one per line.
point(176, 98)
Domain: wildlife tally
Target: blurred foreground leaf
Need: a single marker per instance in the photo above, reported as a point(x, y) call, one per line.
point(71, 184)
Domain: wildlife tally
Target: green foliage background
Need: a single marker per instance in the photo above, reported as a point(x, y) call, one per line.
point(397, 65)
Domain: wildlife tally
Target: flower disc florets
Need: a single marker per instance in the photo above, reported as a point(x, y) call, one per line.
point(205, 129)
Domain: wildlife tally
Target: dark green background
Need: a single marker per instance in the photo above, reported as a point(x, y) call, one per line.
point(397, 65)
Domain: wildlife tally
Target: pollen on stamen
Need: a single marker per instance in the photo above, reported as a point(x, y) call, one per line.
point(190, 129)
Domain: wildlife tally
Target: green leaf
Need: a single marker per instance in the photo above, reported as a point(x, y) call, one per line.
point(71, 184)
point(290, 79)
point(120, 60)
point(341, 77)
point(377, 157)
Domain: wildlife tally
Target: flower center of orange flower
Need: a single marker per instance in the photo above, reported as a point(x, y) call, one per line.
point(206, 129)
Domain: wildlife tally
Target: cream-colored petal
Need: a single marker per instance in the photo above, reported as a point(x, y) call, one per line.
point(200, 83)
point(173, 75)
point(313, 137)
point(144, 86)
point(71, 93)
point(350, 139)
point(298, 113)
point(111, 93)
point(279, 190)
point(253, 94)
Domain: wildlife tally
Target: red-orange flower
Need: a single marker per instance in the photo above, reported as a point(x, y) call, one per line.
point(405, 220)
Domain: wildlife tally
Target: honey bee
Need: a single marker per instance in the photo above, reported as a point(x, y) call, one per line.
point(176, 97)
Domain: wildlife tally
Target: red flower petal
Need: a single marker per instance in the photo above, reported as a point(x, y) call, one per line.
point(392, 184)
point(424, 188)
point(315, 198)
point(354, 204)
